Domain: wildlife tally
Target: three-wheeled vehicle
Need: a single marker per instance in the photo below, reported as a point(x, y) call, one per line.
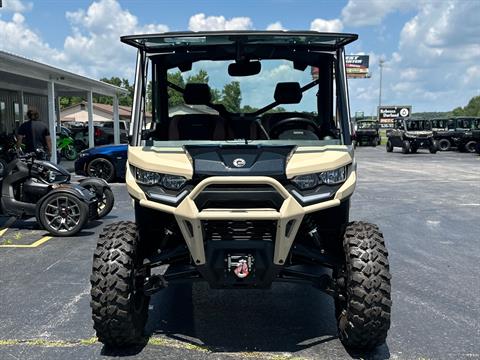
point(39, 188)
point(242, 196)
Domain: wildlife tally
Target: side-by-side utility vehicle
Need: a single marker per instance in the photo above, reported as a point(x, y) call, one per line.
point(411, 135)
point(245, 189)
point(366, 133)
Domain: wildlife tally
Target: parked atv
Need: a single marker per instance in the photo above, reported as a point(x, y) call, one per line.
point(42, 189)
point(367, 133)
point(242, 200)
point(411, 135)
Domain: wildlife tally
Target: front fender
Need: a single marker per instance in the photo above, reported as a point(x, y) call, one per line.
point(98, 184)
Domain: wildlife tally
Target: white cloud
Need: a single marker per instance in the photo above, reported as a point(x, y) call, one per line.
point(18, 38)
point(16, 6)
point(334, 25)
point(93, 48)
point(276, 26)
point(200, 22)
point(372, 12)
point(435, 67)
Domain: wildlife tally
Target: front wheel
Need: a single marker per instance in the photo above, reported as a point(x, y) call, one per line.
point(364, 305)
point(389, 146)
point(433, 147)
point(119, 306)
point(406, 147)
point(62, 214)
point(70, 153)
point(105, 203)
point(444, 145)
point(101, 168)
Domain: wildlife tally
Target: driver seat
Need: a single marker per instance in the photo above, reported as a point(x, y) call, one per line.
point(197, 126)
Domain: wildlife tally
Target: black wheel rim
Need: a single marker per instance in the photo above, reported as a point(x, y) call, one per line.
point(62, 214)
point(101, 169)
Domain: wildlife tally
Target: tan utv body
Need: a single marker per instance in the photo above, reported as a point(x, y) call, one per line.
point(241, 199)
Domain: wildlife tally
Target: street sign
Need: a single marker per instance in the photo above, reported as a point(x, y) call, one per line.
point(387, 113)
point(356, 67)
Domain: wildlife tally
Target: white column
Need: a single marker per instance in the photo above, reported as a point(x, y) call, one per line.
point(91, 130)
point(52, 120)
point(116, 120)
point(59, 120)
point(22, 112)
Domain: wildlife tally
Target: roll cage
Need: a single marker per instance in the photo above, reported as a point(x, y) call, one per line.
point(181, 49)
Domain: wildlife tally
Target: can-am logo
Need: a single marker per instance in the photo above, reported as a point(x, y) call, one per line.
point(239, 162)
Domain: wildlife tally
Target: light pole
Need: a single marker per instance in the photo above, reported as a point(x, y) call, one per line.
point(380, 63)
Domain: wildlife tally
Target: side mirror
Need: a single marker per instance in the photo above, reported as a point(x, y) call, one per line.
point(248, 68)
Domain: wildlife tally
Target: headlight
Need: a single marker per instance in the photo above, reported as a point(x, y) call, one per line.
point(51, 176)
point(146, 177)
point(83, 153)
point(170, 182)
point(310, 181)
point(305, 182)
point(333, 177)
point(173, 182)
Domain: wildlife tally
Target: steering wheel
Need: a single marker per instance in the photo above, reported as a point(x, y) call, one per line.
point(293, 123)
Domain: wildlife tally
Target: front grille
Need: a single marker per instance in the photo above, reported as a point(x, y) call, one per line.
point(239, 230)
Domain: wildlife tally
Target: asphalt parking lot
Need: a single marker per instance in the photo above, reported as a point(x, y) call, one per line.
point(428, 207)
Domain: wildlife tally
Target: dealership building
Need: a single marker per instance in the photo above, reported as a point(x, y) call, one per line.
point(26, 83)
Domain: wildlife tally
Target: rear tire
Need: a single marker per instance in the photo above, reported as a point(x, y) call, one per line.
point(406, 147)
point(444, 145)
point(471, 146)
point(389, 146)
point(363, 314)
point(119, 306)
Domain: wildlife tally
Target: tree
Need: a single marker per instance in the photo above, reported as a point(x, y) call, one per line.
point(199, 78)
point(232, 96)
point(472, 108)
point(174, 97)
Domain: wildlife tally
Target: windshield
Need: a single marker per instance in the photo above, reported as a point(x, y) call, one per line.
point(277, 106)
point(413, 125)
point(367, 125)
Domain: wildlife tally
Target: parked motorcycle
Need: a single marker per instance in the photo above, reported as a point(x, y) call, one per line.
point(32, 187)
point(8, 150)
point(66, 145)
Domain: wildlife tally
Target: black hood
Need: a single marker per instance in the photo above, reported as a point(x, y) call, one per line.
point(241, 160)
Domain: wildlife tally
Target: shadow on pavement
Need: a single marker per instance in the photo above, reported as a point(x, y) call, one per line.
point(287, 318)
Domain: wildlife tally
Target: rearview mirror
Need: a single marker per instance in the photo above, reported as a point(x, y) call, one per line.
point(244, 68)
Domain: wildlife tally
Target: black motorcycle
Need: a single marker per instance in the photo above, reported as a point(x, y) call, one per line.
point(32, 187)
point(7, 151)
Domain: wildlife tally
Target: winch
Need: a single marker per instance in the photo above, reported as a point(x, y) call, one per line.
point(241, 265)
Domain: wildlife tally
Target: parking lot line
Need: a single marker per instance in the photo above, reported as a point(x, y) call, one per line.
point(34, 245)
point(7, 224)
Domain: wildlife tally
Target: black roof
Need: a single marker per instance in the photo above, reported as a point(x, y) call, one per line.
point(208, 40)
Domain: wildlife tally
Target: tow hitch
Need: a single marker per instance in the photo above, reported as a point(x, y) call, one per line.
point(241, 265)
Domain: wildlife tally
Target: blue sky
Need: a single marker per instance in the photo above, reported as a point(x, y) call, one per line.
point(431, 47)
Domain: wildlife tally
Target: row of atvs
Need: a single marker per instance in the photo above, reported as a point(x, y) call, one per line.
point(39, 188)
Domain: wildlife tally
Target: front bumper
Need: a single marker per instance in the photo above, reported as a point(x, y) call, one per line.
point(287, 218)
